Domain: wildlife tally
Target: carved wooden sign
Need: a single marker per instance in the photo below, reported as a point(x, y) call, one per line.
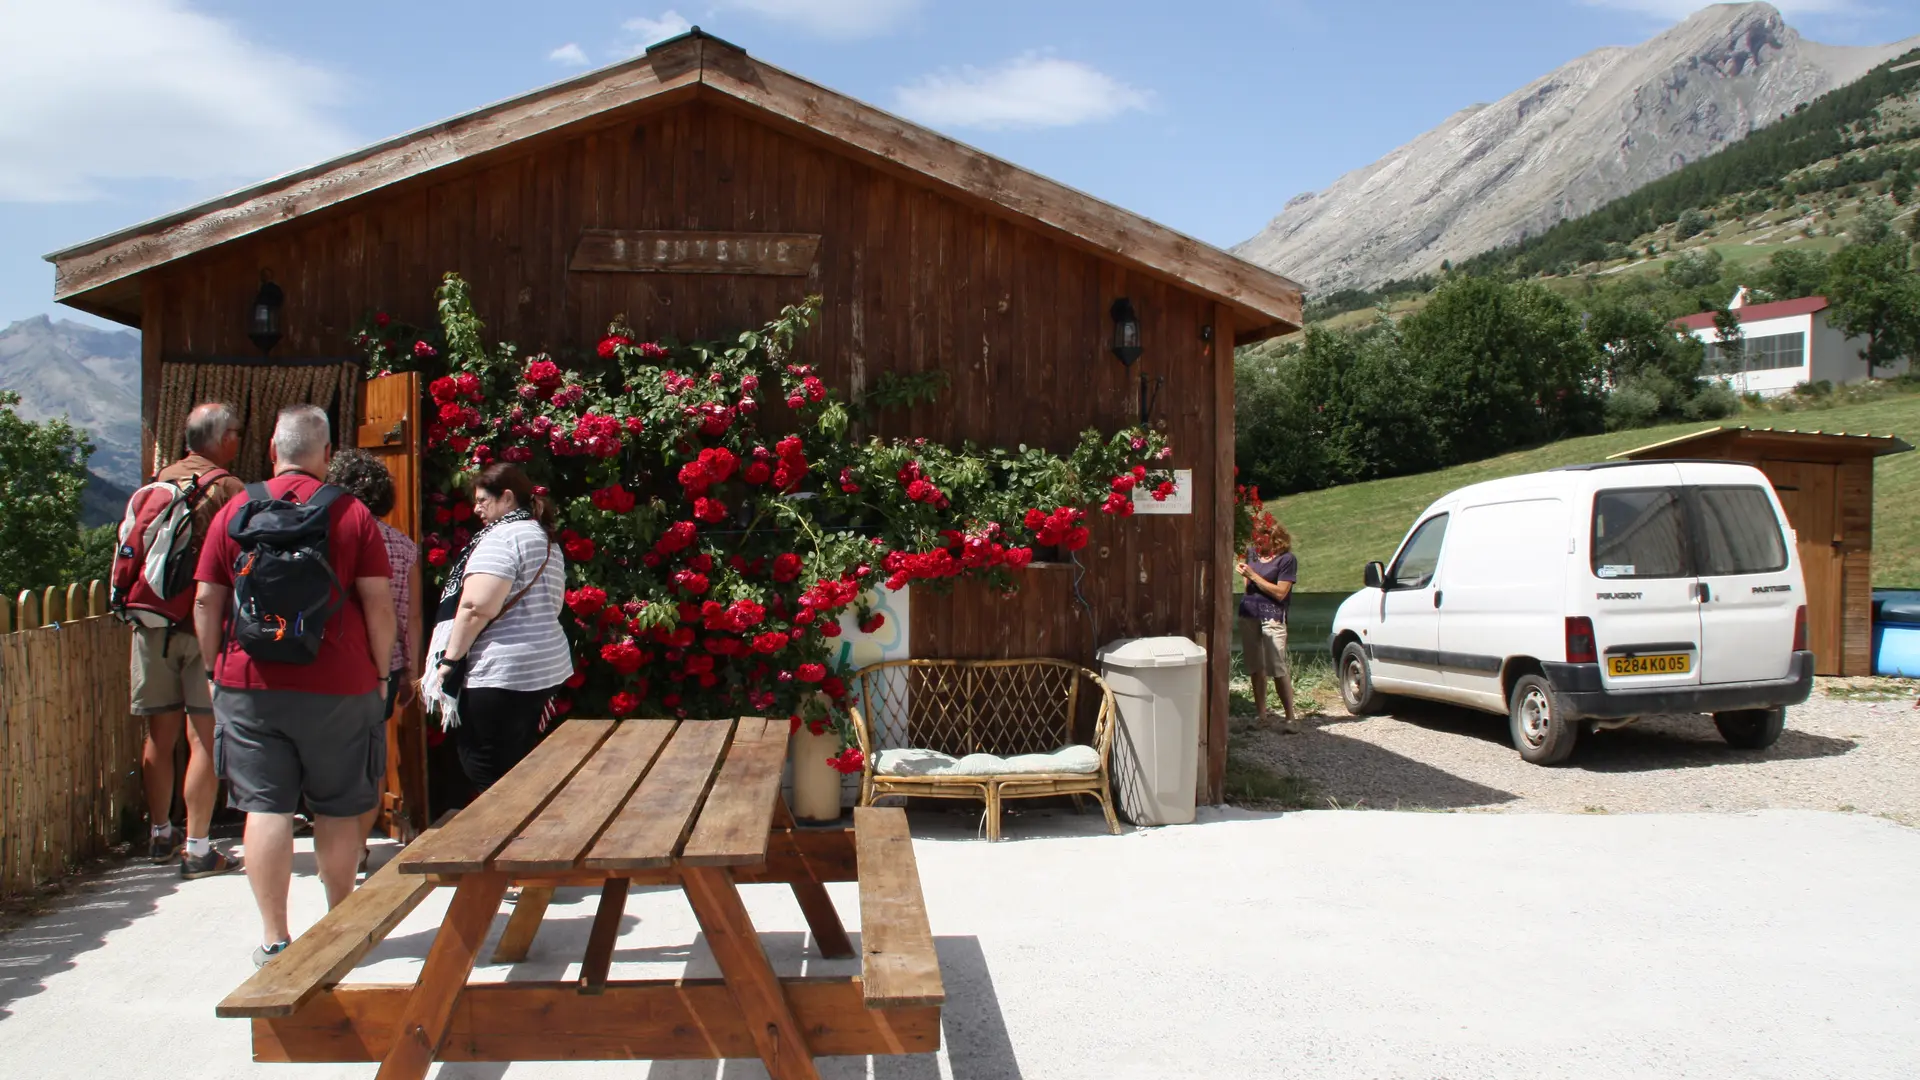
point(646, 251)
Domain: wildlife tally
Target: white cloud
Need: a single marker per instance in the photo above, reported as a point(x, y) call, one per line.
point(570, 54)
point(1677, 10)
point(1029, 91)
point(649, 31)
point(834, 18)
point(114, 90)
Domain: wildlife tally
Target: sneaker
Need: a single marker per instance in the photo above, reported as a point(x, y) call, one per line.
point(162, 849)
point(264, 953)
point(302, 825)
point(213, 862)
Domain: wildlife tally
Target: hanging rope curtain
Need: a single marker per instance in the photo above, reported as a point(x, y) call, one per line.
point(257, 392)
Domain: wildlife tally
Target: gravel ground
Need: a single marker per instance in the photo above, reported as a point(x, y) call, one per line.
point(1836, 754)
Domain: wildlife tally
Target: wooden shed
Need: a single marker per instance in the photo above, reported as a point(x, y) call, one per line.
point(1825, 482)
point(614, 193)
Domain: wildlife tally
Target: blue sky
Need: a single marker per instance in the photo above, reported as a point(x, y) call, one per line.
point(1206, 115)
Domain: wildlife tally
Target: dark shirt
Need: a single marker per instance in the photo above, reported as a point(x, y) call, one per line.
point(1258, 605)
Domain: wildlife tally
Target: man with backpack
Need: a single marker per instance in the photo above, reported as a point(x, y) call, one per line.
point(161, 535)
point(295, 610)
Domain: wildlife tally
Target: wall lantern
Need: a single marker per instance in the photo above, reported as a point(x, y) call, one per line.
point(1126, 332)
point(263, 322)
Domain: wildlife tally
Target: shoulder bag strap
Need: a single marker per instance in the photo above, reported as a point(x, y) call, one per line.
point(536, 580)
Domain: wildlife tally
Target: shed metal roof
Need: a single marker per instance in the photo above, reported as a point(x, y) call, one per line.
point(1829, 443)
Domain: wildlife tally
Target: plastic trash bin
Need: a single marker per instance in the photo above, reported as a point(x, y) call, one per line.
point(1158, 684)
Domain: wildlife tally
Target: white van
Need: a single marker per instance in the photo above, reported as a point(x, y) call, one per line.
point(1586, 597)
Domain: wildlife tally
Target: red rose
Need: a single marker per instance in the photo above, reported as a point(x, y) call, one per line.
point(423, 350)
point(624, 657)
point(436, 556)
point(587, 601)
point(709, 510)
point(770, 642)
point(921, 491)
point(576, 680)
point(786, 567)
point(745, 613)
point(693, 583)
point(612, 342)
point(469, 385)
point(578, 548)
point(622, 704)
point(810, 673)
point(848, 761)
point(873, 622)
point(462, 511)
point(443, 390)
point(833, 687)
point(703, 563)
point(757, 473)
point(381, 319)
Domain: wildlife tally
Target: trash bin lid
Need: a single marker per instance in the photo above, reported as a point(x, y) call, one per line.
point(1152, 652)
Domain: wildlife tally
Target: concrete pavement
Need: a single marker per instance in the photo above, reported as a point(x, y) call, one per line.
point(1325, 944)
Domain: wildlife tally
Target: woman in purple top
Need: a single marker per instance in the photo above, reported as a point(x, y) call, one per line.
point(1270, 569)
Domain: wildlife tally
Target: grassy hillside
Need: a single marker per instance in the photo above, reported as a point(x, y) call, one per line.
point(1338, 531)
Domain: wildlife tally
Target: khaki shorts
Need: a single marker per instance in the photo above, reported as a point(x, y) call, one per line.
point(167, 673)
point(1263, 648)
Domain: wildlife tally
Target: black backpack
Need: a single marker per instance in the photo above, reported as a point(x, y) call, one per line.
point(284, 590)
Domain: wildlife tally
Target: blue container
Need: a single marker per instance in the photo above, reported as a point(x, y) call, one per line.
point(1900, 606)
point(1896, 650)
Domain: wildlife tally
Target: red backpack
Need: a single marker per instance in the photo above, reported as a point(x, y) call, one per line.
point(152, 579)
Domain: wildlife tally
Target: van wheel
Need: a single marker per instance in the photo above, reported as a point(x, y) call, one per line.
point(1356, 681)
point(1541, 734)
point(1751, 729)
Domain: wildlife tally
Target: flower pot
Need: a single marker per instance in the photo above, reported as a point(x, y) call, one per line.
point(816, 784)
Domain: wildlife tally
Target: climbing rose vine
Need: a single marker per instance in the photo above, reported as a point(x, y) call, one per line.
point(709, 559)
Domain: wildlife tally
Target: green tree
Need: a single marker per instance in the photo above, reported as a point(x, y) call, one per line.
point(1504, 366)
point(1695, 269)
point(1792, 274)
point(43, 469)
point(1873, 226)
point(1874, 295)
point(1691, 224)
point(1733, 341)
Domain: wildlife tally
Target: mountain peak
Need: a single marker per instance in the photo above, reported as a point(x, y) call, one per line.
point(1580, 136)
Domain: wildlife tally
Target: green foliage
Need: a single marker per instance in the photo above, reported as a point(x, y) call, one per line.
point(1691, 224)
point(1504, 366)
point(1695, 269)
point(43, 470)
point(1791, 274)
point(1484, 367)
point(1875, 296)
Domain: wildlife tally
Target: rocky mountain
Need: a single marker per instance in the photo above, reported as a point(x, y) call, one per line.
point(1559, 147)
point(92, 377)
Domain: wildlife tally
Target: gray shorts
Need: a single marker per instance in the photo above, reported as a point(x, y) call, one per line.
point(273, 746)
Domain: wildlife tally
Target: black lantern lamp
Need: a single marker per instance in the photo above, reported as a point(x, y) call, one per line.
point(263, 323)
point(1126, 332)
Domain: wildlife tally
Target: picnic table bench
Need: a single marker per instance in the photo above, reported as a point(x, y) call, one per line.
point(612, 804)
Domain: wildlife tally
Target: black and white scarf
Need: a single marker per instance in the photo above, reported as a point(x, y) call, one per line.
point(441, 699)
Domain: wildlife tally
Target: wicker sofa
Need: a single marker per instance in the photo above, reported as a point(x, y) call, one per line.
point(990, 730)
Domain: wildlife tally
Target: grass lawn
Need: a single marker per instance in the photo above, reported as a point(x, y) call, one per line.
point(1338, 531)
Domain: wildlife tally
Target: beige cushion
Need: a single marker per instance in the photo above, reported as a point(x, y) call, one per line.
point(1074, 759)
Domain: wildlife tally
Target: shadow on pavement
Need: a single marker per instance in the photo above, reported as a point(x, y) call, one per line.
point(1367, 774)
point(52, 943)
point(1654, 743)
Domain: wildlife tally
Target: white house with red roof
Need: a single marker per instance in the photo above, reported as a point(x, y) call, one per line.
point(1787, 343)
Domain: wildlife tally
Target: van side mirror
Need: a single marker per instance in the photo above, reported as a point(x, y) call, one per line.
point(1375, 576)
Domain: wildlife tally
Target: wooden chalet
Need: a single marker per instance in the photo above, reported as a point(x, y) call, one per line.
point(611, 193)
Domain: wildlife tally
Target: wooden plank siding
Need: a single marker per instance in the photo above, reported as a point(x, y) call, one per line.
point(912, 280)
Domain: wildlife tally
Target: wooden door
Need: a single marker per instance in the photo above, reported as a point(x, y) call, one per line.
point(1810, 493)
point(387, 429)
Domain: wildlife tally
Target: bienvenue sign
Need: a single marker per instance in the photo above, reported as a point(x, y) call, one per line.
point(643, 251)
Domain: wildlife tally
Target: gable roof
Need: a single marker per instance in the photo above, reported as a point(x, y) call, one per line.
point(1779, 309)
point(101, 275)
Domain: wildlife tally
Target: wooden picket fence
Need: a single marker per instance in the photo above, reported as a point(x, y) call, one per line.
point(69, 751)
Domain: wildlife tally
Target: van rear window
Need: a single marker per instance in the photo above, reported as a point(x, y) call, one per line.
point(1736, 532)
point(1639, 533)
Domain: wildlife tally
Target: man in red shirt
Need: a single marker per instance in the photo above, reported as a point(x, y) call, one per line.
point(286, 730)
point(169, 681)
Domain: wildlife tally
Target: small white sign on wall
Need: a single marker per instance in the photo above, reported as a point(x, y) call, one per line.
point(1180, 502)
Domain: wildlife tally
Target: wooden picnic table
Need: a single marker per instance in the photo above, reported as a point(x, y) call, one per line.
point(611, 804)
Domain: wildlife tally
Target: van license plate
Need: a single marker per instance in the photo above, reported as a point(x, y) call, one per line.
point(1663, 664)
